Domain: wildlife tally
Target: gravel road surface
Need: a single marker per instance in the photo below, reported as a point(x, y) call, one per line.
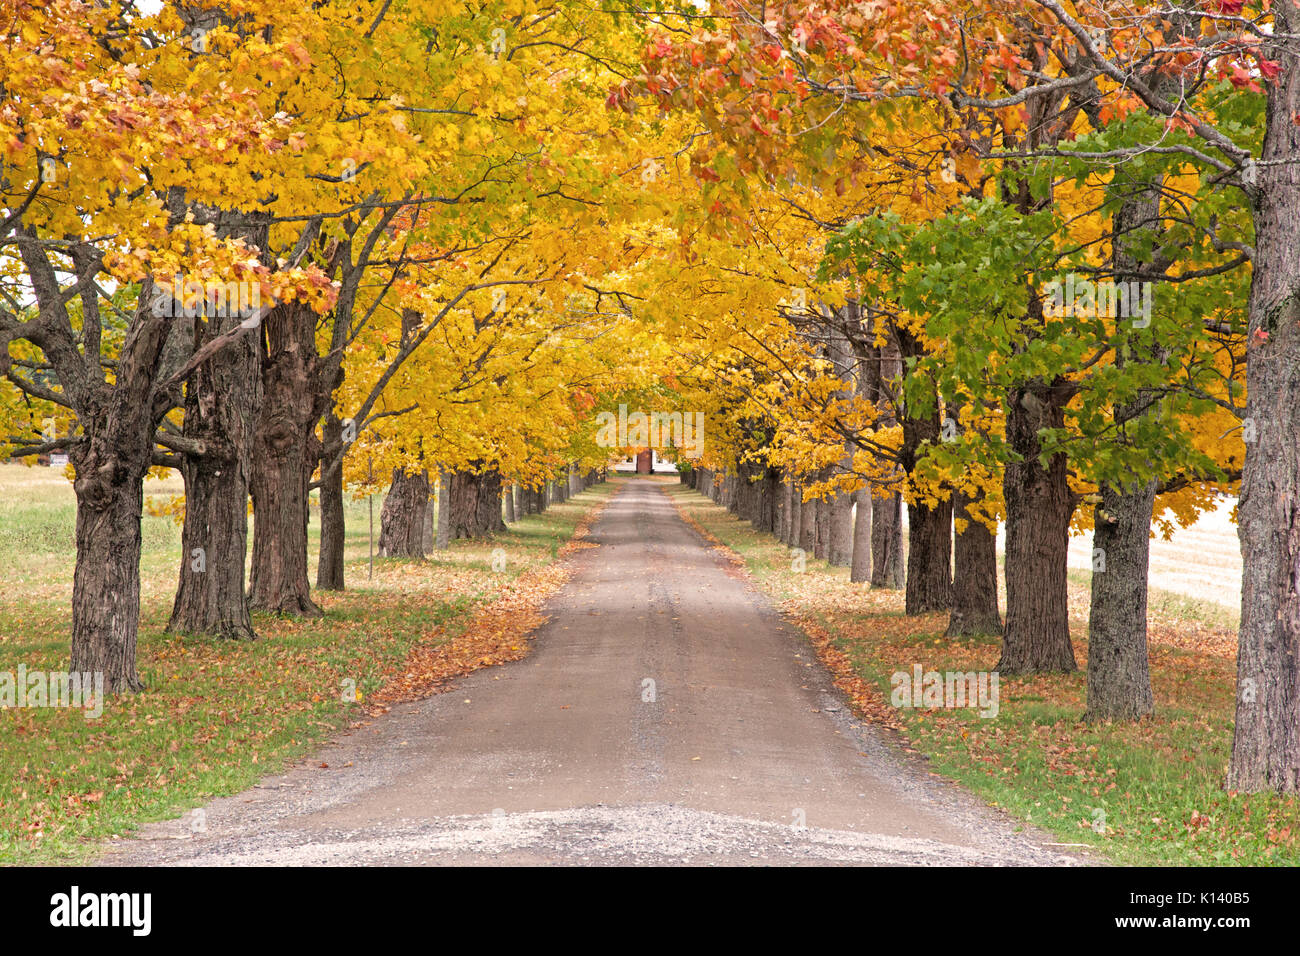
point(666, 714)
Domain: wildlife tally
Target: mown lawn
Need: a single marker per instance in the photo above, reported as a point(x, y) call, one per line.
point(216, 716)
point(1146, 793)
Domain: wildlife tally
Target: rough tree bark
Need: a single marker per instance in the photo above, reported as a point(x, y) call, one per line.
point(1266, 743)
point(442, 539)
point(110, 464)
point(794, 533)
point(808, 527)
point(784, 503)
point(428, 540)
point(110, 461)
point(767, 501)
point(1119, 679)
point(975, 577)
point(822, 545)
point(860, 564)
point(221, 399)
point(333, 528)
point(929, 566)
point(1039, 502)
point(887, 541)
point(839, 537)
point(285, 456)
point(401, 521)
point(475, 503)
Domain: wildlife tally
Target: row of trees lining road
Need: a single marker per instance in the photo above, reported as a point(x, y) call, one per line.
point(1029, 264)
point(1004, 149)
point(393, 195)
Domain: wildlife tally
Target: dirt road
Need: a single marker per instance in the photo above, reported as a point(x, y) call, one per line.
point(666, 714)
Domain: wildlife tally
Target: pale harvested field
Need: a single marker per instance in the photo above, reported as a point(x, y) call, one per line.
point(1202, 561)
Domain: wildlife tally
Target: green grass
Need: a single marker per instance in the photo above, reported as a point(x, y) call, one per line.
point(216, 716)
point(1145, 793)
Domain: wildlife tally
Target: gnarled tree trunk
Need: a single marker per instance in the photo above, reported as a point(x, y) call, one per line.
point(110, 465)
point(285, 456)
point(221, 400)
point(475, 504)
point(110, 461)
point(401, 521)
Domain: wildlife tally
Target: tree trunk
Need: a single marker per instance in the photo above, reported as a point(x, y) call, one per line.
point(860, 566)
point(929, 565)
point(509, 495)
point(746, 504)
point(106, 583)
point(1266, 744)
point(839, 523)
point(808, 527)
point(284, 458)
point(767, 497)
point(1119, 679)
point(794, 534)
point(840, 552)
point(975, 577)
point(929, 528)
point(822, 549)
point(117, 423)
point(785, 501)
point(210, 597)
point(427, 540)
point(333, 528)
point(221, 400)
point(442, 540)
point(1039, 504)
point(887, 541)
point(401, 521)
point(475, 504)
